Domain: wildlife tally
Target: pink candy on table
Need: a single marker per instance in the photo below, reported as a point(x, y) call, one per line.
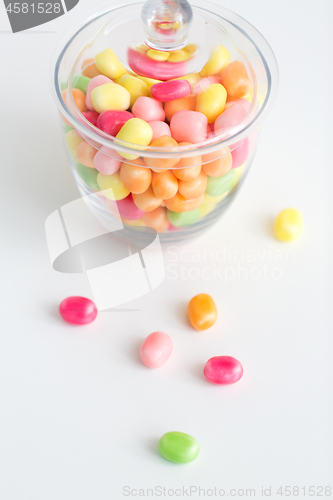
point(95, 82)
point(156, 349)
point(227, 121)
point(107, 161)
point(127, 209)
point(169, 91)
point(159, 70)
point(148, 109)
point(159, 128)
point(189, 126)
point(111, 121)
point(209, 80)
point(240, 152)
point(78, 310)
point(91, 116)
point(223, 370)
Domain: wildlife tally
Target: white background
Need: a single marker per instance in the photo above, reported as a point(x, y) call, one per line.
point(80, 416)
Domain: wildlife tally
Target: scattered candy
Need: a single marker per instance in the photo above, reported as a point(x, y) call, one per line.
point(178, 447)
point(156, 349)
point(288, 225)
point(169, 91)
point(223, 370)
point(78, 310)
point(202, 311)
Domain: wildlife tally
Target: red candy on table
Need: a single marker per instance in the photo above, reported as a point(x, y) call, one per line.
point(223, 370)
point(169, 91)
point(111, 121)
point(78, 310)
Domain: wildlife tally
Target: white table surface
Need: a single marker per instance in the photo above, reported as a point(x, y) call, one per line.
point(80, 416)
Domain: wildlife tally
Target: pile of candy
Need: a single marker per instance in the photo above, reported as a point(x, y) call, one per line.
point(160, 105)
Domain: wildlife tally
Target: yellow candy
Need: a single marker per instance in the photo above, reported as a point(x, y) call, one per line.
point(73, 140)
point(143, 48)
point(133, 223)
point(209, 203)
point(148, 81)
point(135, 87)
point(191, 48)
point(136, 131)
point(114, 182)
point(109, 65)
point(219, 59)
point(192, 78)
point(179, 55)
point(288, 225)
point(211, 101)
point(158, 55)
point(110, 96)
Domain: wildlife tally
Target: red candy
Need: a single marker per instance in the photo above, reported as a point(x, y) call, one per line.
point(78, 310)
point(223, 370)
point(169, 91)
point(111, 122)
point(91, 116)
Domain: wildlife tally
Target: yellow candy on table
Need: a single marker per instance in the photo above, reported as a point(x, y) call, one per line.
point(191, 78)
point(135, 87)
point(73, 140)
point(110, 96)
point(109, 65)
point(108, 182)
point(211, 101)
point(136, 131)
point(158, 55)
point(219, 59)
point(179, 55)
point(288, 224)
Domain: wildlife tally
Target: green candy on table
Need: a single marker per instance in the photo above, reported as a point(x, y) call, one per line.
point(180, 219)
point(88, 175)
point(81, 82)
point(178, 447)
point(216, 186)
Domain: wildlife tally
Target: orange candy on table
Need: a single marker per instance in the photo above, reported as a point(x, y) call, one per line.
point(165, 141)
point(183, 104)
point(147, 201)
point(194, 188)
point(157, 219)
point(217, 163)
point(164, 184)
point(135, 176)
point(236, 80)
point(89, 68)
point(85, 154)
point(79, 99)
point(180, 204)
point(202, 311)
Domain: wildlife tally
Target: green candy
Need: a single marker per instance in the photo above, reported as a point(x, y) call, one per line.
point(178, 447)
point(81, 82)
point(88, 175)
point(67, 128)
point(180, 219)
point(220, 185)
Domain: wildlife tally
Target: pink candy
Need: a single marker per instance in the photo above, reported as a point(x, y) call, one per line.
point(95, 82)
point(91, 116)
point(148, 109)
point(111, 122)
point(159, 70)
point(209, 80)
point(189, 126)
point(240, 153)
point(225, 123)
point(169, 91)
point(159, 128)
point(78, 310)
point(127, 209)
point(244, 102)
point(223, 370)
point(107, 161)
point(156, 349)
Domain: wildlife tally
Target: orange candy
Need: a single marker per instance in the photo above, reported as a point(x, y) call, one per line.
point(147, 201)
point(180, 204)
point(235, 80)
point(164, 184)
point(164, 141)
point(184, 104)
point(85, 154)
point(157, 219)
point(194, 188)
point(217, 163)
point(202, 311)
point(79, 99)
point(89, 68)
point(135, 177)
point(185, 171)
